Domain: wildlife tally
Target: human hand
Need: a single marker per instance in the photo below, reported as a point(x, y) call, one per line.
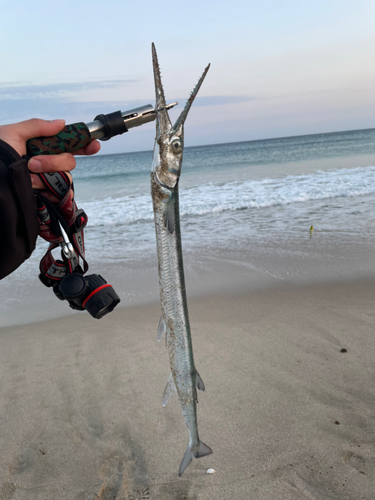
point(17, 134)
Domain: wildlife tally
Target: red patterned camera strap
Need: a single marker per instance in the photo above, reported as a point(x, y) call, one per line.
point(71, 218)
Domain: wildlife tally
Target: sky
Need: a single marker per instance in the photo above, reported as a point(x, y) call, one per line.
point(278, 68)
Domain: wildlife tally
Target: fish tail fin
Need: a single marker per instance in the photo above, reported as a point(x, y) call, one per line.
point(188, 457)
point(193, 452)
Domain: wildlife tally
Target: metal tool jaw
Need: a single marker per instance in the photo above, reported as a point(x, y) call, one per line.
point(132, 118)
point(144, 114)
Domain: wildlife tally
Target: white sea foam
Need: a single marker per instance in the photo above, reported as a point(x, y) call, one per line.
point(251, 194)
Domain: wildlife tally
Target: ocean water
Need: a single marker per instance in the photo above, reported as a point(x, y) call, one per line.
point(244, 206)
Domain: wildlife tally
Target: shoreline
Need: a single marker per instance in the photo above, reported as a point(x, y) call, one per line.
point(268, 264)
point(238, 291)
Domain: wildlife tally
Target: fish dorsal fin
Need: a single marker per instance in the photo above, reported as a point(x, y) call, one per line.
point(168, 391)
point(162, 328)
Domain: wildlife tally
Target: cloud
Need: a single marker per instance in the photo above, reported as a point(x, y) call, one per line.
point(21, 109)
point(22, 91)
point(219, 100)
point(18, 102)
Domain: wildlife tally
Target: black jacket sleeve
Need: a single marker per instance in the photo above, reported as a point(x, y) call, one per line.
point(19, 225)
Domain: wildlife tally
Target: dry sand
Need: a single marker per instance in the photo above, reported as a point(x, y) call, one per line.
point(286, 412)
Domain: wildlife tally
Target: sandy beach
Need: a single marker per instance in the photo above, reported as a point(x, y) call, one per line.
point(288, 413)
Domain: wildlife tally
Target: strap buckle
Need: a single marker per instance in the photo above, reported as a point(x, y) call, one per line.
point(67, 247)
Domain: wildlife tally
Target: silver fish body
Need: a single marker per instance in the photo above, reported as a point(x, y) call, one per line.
point(174, 321)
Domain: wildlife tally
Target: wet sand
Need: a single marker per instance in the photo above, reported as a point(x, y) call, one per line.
point(288, 408)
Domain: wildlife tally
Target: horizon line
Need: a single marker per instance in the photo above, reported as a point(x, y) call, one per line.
point(249, 140)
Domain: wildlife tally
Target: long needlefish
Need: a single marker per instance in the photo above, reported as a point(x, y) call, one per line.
point(174, 322)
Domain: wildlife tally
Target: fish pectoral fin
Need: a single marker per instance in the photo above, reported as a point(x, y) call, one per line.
point(200, 383)
point(168, 391)
point(169, 221)
point(193, 452)
point(162, 328)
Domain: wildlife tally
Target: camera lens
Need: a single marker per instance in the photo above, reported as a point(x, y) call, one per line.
point(92, 293)
point(101, 298)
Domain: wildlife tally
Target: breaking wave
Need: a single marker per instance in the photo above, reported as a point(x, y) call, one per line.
point(250, 194)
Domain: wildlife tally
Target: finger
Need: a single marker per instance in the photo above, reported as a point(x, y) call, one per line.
point(90, 149)
point(37, 183)
point(17, 134)
point(37, 127)
point(63, 162)
point(53, 198)
point(50, 197)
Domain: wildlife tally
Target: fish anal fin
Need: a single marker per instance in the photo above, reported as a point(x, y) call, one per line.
point(168, 391)
point(162, 328)
point(202, 451)
point(200, 383)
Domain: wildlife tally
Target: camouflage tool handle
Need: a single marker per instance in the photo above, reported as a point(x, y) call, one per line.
point(69, 140)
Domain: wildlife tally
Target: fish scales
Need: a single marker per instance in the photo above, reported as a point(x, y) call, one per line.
point(173, 295)
point(174, 321)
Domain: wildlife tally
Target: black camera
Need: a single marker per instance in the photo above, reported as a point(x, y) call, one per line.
point(91, 293)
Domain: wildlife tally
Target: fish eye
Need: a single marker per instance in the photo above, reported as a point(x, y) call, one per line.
point(176, 145)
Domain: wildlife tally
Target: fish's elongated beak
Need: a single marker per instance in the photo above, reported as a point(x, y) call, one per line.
point(181, 119)
point(162, 118)
point(163, 121)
